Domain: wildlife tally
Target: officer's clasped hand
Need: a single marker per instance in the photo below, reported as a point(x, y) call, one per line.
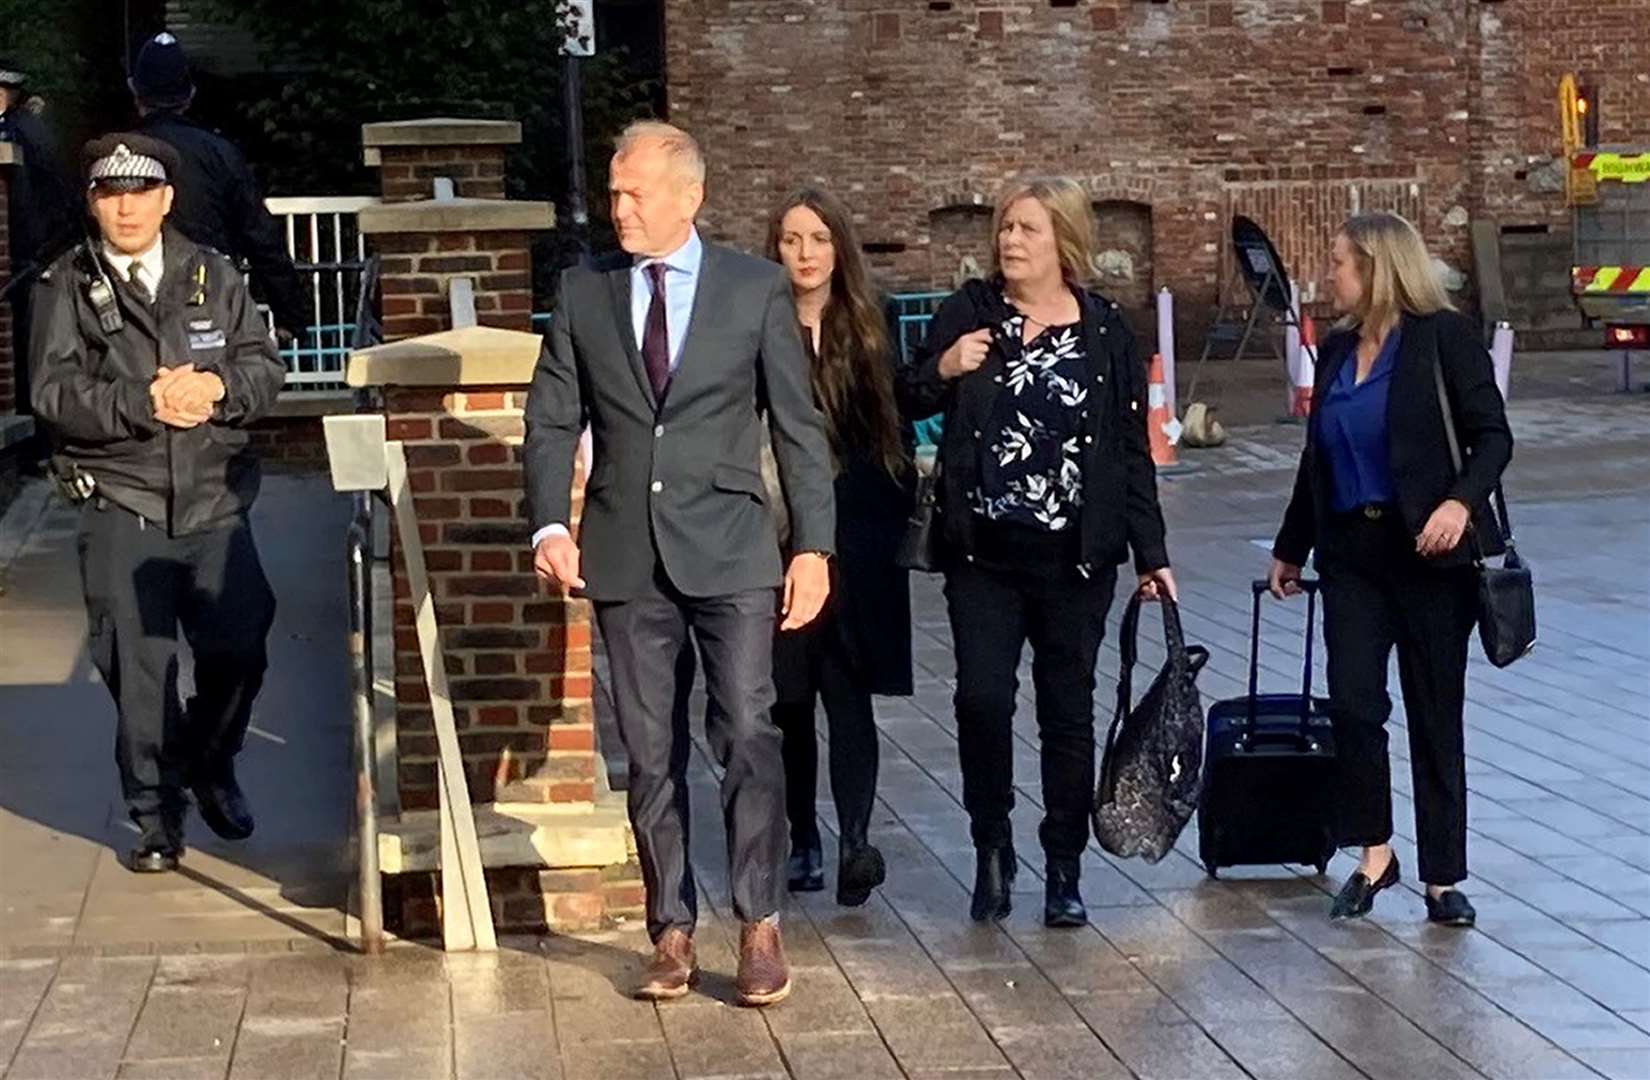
point(183, 397)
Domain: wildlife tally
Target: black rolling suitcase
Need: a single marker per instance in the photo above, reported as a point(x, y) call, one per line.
point(1268, 770)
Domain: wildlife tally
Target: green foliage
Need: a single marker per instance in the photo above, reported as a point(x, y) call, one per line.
point(332, 65)
point(70, 50)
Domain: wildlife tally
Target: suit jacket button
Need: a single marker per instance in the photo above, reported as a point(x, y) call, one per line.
point(658, 486)
point(658, 431)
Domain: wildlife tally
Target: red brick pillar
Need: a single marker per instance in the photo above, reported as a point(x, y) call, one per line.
point(411, 154)
point(517, 655)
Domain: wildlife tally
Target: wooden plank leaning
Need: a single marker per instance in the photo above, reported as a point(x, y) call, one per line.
point(466, 915)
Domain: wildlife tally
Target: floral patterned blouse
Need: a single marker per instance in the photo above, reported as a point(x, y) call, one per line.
point(1030, 461)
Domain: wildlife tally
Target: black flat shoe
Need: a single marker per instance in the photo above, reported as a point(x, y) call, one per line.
point(806, 870)
point(860, 871)
point(1357, 896)
point(993, 883)
point(1062, 903)
point(223, 805)
point(1451, 908)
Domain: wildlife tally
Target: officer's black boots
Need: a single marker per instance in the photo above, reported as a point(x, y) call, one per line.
point(222, 803)
point(161, 845)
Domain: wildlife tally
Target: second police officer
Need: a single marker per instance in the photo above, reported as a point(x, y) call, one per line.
point(218, 200)
point(151, 358)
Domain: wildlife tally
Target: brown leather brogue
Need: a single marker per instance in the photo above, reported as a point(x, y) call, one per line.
point(672, 970)
point(764, 976)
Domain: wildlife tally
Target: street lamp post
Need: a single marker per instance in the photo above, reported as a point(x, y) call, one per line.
point(579, 43)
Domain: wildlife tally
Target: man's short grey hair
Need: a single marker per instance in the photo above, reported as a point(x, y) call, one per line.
point(680, 148)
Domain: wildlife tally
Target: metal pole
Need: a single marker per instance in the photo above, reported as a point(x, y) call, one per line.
point(369, 885)
point(1165, 345)
point(1501, 354)
point(572, 99)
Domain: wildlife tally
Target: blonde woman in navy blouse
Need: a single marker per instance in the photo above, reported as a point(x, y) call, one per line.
point(1377, 497)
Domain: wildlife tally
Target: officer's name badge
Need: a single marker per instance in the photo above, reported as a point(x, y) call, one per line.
point(203, 335)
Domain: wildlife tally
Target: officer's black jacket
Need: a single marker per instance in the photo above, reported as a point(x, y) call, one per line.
point(92, 388)
point(218, 204)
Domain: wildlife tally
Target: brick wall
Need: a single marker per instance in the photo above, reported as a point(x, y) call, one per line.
point(408, 172)
point(1280, 108)
point(417, 270)
point(518, 658)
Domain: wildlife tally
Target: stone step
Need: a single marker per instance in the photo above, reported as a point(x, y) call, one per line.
point(514, 834)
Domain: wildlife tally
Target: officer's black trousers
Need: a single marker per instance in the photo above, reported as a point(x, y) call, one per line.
point(1378, 594)
point(141, 586)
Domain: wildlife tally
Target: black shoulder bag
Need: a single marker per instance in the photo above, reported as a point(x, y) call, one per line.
point(1506, 593)
point(1151, 769)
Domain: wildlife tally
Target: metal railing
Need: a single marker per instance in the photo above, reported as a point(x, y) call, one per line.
point(330, 255)
point(912, 314)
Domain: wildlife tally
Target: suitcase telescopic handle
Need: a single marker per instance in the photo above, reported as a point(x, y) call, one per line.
point(1309, 586)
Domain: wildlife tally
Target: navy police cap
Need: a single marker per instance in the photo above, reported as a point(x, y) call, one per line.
point(127, 161)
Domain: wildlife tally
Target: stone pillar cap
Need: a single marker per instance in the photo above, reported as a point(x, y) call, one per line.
point(10, 154)
point(457, 215)
point(441, 131)
point(471, 356)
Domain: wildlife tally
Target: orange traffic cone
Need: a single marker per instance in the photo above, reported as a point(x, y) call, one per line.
point(1162, 428)
point(1308, 365)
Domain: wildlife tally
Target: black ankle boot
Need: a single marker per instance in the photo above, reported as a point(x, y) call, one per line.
point(993, 883)
point(860, 870)
point(1062, 903)
point(805, 870)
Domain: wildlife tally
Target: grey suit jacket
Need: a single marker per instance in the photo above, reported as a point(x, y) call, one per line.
point(679, 480)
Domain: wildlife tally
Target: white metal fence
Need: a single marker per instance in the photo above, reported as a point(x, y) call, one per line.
point(330, 254)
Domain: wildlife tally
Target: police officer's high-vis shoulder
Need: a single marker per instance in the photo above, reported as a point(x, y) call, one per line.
point(123, 163)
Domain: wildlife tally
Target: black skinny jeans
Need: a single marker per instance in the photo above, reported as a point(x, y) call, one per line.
point(853, 750)
point(1379, 594)
point(1023, 586)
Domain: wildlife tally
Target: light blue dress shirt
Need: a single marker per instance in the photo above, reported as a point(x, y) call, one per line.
point(681, 283)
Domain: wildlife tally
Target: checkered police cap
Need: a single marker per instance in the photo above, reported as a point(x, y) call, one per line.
point(126, 161)
point(11, 76)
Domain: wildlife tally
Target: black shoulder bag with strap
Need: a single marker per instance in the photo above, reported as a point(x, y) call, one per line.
point(1506, 593)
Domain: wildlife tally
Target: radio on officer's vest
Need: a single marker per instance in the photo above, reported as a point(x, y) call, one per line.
point(100, 291)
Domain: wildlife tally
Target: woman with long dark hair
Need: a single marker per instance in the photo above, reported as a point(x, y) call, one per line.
point(861, 643)
point(1046, 485)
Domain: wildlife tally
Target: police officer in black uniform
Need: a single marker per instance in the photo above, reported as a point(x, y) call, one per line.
point(218, 201)
point(41, 208)
point(151, 359)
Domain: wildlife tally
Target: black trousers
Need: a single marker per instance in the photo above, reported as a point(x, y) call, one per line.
point(1013, 592)
point(1378, 594)
point(141, 586)
point(645, 640)
point(853, 753)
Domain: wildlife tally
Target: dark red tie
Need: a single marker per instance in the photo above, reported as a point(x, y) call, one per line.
point(655, 335)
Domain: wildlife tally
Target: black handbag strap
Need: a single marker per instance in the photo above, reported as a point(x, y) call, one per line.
point(1191, 659)
point(1498, 500)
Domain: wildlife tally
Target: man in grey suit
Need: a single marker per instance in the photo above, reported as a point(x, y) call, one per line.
point(668, 354)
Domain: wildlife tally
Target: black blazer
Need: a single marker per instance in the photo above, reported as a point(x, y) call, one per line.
point(870, 601)
point(679, 482)
point(1120, 510)
point(1423, 475)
